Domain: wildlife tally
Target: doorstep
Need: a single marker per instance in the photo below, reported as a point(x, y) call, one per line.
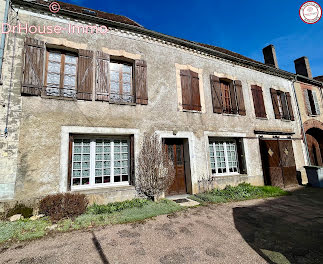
point(183, 200)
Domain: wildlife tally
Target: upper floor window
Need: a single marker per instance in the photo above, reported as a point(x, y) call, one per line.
point(227, 96)
point(61, 72)
point(121, 82)
point(258, 101)
point(190, 90)
point(311, 102)
point(282, 104)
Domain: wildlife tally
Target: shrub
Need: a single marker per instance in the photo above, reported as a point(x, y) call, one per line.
point(116, 207)
point(25, 211)
point(155, 169)
point(59, 206)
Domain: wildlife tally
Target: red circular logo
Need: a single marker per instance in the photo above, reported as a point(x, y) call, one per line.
point(310, 12)
point(54, 7)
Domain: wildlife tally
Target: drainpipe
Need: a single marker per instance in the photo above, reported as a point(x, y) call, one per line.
point(308, 160)
point(3, 37)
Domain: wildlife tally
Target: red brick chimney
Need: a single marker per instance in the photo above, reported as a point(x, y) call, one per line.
point(302, 67)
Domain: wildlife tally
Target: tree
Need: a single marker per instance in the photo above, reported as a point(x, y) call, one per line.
point(155, 169)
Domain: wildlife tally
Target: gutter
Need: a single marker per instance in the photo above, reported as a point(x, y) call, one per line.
point(80, 16)
point(3, 38)
point(308, 160)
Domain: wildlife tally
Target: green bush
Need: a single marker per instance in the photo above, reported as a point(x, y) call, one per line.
point(243, 191)
point(25, 211)
point(61, 205)
point(116, 206)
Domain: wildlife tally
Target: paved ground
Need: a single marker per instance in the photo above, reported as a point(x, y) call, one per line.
point(283, 230)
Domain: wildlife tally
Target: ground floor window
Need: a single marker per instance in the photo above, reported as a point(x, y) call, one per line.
point(100, 161)
point(224, 156)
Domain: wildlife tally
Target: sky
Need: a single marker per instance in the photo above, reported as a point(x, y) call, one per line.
point(243, 26)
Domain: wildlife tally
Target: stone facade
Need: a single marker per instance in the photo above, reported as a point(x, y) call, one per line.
point(34, 154)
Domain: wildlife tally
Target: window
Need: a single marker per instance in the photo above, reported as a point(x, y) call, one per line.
point(190, 90)
point(282, 104)
point(61, 71)
point(258, 101)
point(227, 96)
point(121, 82)
point(100, 161)
point(224, 156)
point(311, 102)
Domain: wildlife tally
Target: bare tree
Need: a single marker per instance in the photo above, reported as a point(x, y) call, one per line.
point(155, 169)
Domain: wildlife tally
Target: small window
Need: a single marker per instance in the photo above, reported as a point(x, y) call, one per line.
point(258, 101)
point(121, 82)
point(224, 156)
point(227, 97)
point(190, 90)
point(312, 103)
point(100, 161)
point(61, 74)
point(282, 104)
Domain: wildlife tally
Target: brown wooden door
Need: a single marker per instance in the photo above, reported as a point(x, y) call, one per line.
point(278, 162)
point(175, 150)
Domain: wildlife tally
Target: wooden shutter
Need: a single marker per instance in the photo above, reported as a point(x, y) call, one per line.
point(186, 84)
point(240, 100)
point(132, 161)
point(284, 106)
point(307, 102)
point(102, 76)
point(290, 107)
point(85, 75)
point(241, 156)
point(216, 94)
point(33, 67)
point(233, 97)
point(316, 103)
point(195, 97)
point(274, 99)
point(258, 101)
point(70, 158)
point(141, 82)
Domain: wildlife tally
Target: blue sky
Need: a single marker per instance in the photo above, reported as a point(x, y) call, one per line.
point(243, 26)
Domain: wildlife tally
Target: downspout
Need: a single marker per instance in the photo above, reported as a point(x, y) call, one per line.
point(3, 37)
point(308, 160)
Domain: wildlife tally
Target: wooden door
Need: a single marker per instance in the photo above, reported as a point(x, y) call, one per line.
point(278, 162)
point(175, 150)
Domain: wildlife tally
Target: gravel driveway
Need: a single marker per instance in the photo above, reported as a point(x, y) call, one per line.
point(281, 230)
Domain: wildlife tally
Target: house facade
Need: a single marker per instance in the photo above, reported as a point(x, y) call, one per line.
point(77, 106)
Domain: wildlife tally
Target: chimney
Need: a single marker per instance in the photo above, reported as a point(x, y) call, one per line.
point(302, 67)
point(270, 56)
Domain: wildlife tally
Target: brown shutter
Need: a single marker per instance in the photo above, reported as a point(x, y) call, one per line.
point(240, 100)
point(85, 75)
point(102, 76)
point(216, 94)
point(233, 97)
point(307, 102)
point(258, 101)
point(241, 157)
point(274, 99)
point(186, 89)
point(70, 154)
point(33, 67)
point(132, 161)
point(141, 82)
point(195, 99)
point(284, 106)
point(290, 107)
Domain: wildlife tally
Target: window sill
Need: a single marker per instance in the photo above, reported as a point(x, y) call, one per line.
point(286, 120)
point(101, 187)
point(191, 111)
point(262, 118)
point(227, 114)
point(120, 103)
point(59, 98)
point(228, 175)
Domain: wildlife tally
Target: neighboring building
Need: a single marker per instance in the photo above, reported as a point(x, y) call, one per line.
point(310, 101)
point(81, 104)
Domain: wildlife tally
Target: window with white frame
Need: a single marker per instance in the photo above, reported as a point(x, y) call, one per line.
point(223, 156)
point(100, 161)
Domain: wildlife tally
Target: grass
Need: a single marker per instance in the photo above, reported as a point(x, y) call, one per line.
point(243, 191)
point(26, 229)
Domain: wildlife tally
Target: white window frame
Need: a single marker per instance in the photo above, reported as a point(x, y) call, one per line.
point(92, 184)
point(224, 140)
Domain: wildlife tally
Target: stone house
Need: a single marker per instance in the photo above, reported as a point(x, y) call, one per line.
point(76, 107)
